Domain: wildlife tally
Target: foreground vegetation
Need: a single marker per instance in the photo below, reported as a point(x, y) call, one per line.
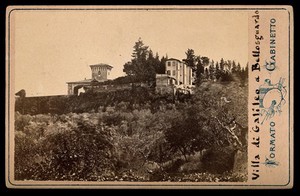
point(144, 138)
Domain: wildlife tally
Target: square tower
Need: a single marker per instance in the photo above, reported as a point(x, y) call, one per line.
point(100, 71)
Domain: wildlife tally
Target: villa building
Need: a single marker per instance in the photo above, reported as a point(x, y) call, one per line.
point(100, 73)
point(178, 76)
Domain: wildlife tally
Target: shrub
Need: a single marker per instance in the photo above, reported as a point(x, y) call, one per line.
point(219, 160)
point(110, 119)
point(80, 151)
point(21, 121)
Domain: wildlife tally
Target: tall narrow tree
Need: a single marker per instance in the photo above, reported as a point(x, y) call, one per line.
point(142, 66)
point(234, 67)
point(222, 64)
point(190, 59)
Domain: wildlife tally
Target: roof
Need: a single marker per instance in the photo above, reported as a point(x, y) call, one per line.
point(102, 65)
point(86, 81)
point(173, 59)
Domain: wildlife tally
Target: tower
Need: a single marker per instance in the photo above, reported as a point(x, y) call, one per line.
point(100, 71)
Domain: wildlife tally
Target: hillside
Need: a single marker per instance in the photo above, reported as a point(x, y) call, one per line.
point(133, 135)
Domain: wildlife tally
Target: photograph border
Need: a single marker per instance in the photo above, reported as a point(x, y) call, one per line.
point(172, 185)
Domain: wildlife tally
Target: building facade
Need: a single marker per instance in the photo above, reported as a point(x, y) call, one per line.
point(180, 71)
point(177, 78)
point(100, 73)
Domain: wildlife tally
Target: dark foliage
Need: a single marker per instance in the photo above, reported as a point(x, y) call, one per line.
point(114, 135)
point(219, 160)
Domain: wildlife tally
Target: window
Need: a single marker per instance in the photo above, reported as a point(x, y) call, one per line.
point(169, 63)
point(168, 72)
point(173, 72)
point(173, 63)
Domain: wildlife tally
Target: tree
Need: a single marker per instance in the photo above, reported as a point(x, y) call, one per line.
point(143, 64)
point(205, 61)
point(222, 64)
point(210, 123)
point(200, 64)
point(183, 131)
point(244, 74)
point(140, 51)
point(190, 59)
point(212, 63)
point(161, 69)
point(217, 66)
point(218, 71)
point(212, 70)
point(228, 65)
point(234, 67)
point(129, 69)
point(199, 70)
point(238, 68)
point(206, 73)
point(52, 148)
point(151, 65)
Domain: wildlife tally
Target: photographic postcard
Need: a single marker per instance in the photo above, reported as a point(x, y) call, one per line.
point(159, 97)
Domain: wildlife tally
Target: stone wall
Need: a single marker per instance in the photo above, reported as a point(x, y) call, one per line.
point(86, 102)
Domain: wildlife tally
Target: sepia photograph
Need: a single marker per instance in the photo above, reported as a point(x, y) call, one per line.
point(157, 96)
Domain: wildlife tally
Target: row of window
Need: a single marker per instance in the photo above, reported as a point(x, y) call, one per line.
point(99, 68)
point(173, 63)
point(173, 73)
point(169, 72)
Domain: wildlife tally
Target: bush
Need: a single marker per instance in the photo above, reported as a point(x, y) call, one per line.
point(218, 161)
point(66, 151)
point(110, 119)
point(82, 153)
point(25, 150)
point(21, 121)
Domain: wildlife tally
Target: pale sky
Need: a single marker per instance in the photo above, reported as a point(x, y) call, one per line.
point(55, 47)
